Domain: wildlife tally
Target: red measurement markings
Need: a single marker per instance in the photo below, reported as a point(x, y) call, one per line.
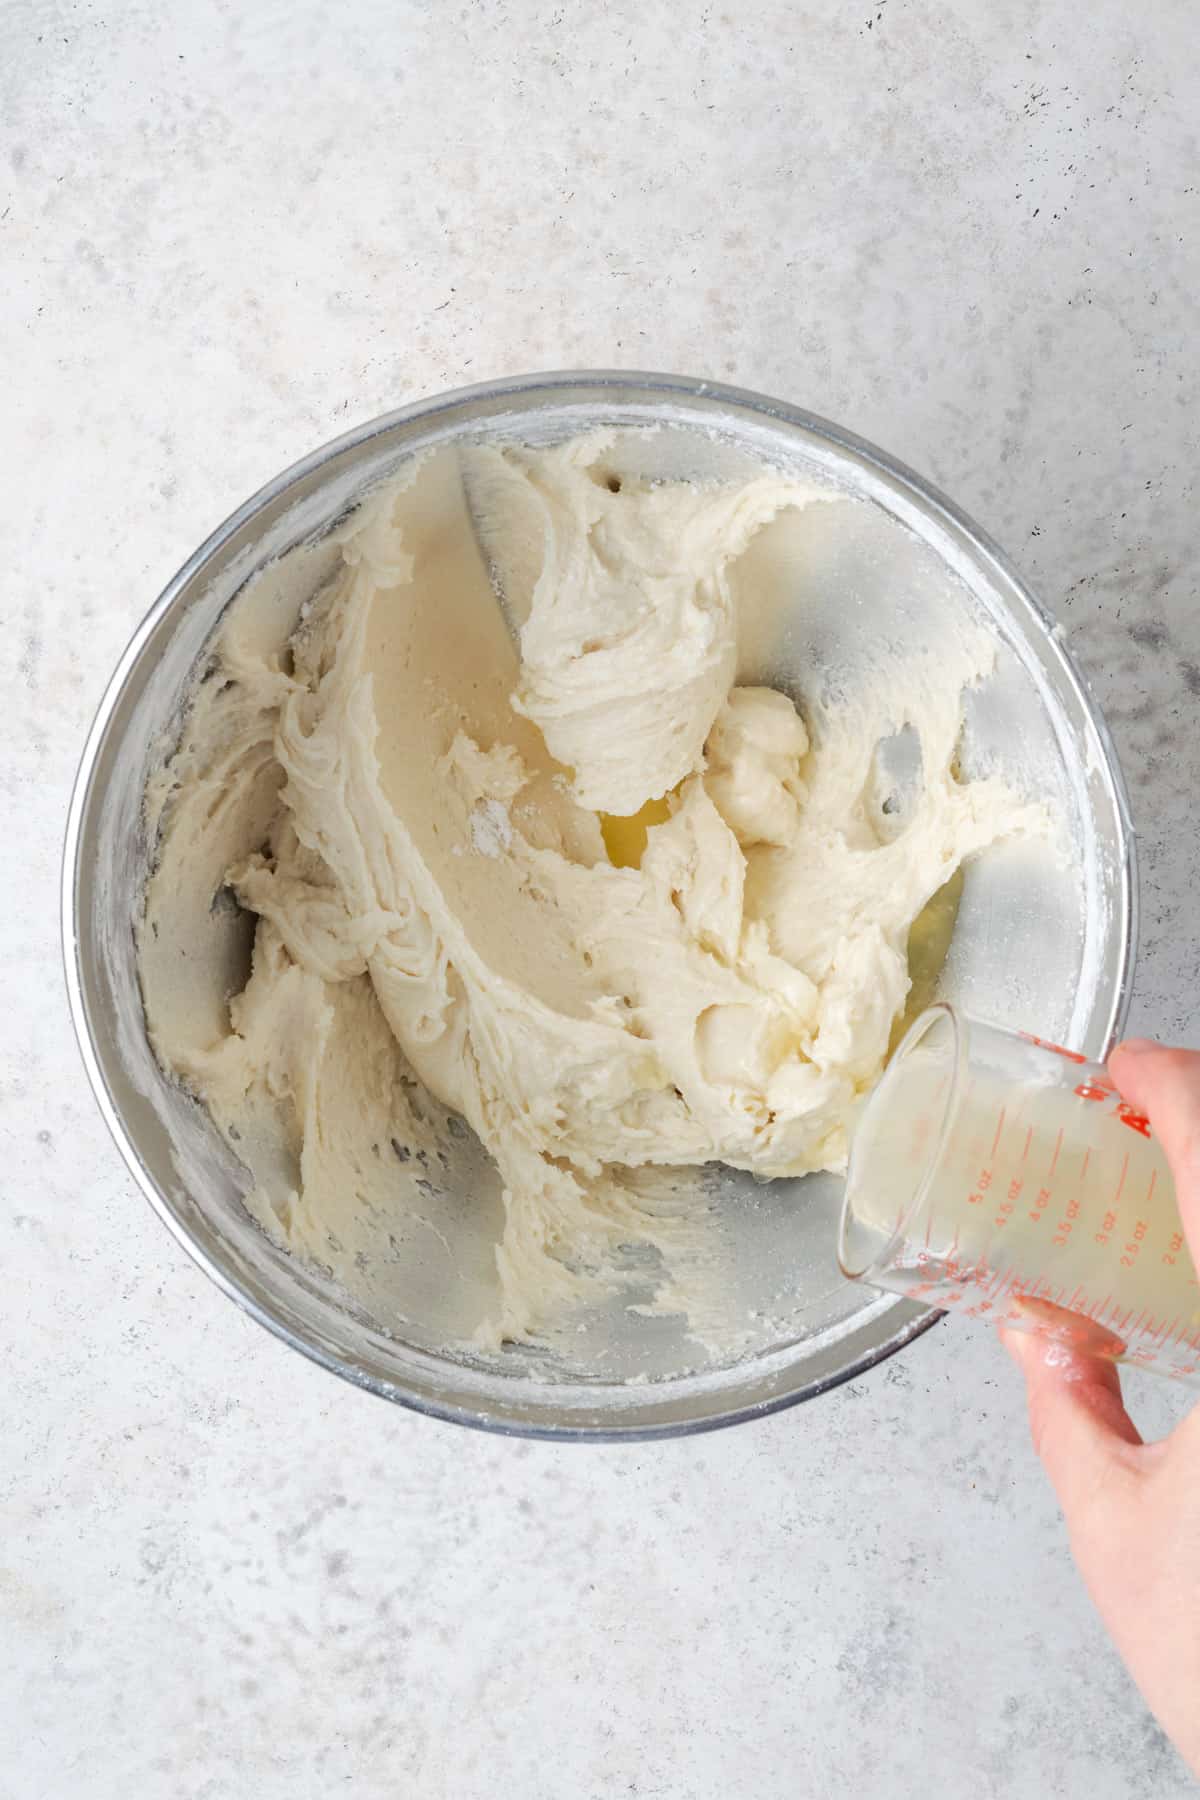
point(1136, 1121)
point(1007, 1286)
point(1066, 1224)
point(977, 1274)
point(1099, 1089)
point(1107, 1227)
point(999, 1129)
point(1040, 1203)
point(1133, 1248)
point(1150, 1189)
point(1045, 1193)
point(1045, 1044)
point(1015, 1187)
point(982, 1184)
point(991, 1294)
point(1108, 1223)
point(1054, 1159)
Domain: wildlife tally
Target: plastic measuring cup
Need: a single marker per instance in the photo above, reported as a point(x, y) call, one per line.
point(1004, 1178)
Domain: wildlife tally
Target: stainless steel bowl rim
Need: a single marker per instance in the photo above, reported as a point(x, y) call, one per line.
point(523, 387)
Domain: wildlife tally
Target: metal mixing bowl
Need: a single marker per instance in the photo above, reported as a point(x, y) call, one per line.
point(1050, 946)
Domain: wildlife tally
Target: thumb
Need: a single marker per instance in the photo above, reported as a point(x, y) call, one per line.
point(1080, 1427)
point(1165, 1084)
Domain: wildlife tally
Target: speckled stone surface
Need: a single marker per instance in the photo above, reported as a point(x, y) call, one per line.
point(968, 231)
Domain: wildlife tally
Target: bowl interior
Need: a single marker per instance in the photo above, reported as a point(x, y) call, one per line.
point(1037, 941)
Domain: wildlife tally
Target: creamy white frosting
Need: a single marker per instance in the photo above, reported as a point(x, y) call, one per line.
point(412, 810)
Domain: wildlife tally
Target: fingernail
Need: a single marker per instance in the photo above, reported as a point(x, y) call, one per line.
point(1017, 1343)
point(1136, 1046)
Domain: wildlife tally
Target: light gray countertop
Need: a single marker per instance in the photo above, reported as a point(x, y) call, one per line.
point(968, 231)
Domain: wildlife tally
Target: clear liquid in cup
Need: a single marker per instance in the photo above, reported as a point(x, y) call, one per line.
point(1005, 1178)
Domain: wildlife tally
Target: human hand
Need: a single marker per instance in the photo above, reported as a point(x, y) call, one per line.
point(1133, 1509)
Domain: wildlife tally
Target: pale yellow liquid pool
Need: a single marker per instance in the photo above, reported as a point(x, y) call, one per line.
point(625, 837)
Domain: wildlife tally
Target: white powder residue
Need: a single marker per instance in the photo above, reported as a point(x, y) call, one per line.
point(491, 828)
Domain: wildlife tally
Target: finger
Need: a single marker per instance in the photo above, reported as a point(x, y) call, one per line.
point(1165, 1085)
point(1078, 1420)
